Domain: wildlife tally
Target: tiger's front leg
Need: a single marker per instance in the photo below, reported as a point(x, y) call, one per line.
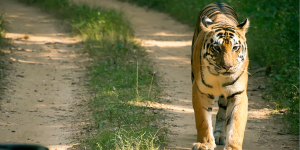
point(220, 126)
point(202, 105)
point(236, 118)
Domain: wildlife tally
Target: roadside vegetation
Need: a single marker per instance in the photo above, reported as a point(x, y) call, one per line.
point(2, 31)
point(273, 41)
point(3, 43)
point(120, 78)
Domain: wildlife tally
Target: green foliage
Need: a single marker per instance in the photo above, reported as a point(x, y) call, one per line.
point(2, 31)
point(87, 22)
point(117, 105)
point(273, 40)
point(121, 87)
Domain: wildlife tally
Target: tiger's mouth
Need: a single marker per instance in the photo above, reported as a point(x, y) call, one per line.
point(227, 73)
point(231, 71)
point(215, 69)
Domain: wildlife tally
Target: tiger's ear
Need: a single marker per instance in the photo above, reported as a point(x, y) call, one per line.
point(243, 27)
point(204, 24)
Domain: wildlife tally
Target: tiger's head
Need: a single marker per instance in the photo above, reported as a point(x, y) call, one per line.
point(224, 49)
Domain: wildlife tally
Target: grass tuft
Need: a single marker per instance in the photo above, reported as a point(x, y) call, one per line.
point(120, 78)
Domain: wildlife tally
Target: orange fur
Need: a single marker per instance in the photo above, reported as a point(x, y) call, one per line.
point(219, 68)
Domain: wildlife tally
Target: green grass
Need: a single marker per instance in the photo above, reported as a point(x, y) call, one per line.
point(119, 104)
point(273, 42)
point(120, 78)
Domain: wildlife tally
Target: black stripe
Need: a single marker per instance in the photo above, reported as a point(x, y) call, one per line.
point(227, 29)
point(221, 105)
point(228, 121)
point(192, 76)
point(209, 109)
point(212, 15)
point(226, 73)
point(221, 26)
point(217, 30)
point(223, 8)
point(208, 95)
point(211, 72)
point(229, 117)
point(234, 94)
point(231, 83)
point(207, 46)
point(220, 34)
point(229, 16)
point(201, 72)
point(205, 54)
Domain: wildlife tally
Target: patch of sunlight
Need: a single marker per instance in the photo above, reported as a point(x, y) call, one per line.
point(41, 38)
point(24, 61)
point(59, 147)
point(149, 51)
point(167, 34)
point(51, 126)
point(147, 43)
point(174, 108)
point(259, 113)
point(175, 58)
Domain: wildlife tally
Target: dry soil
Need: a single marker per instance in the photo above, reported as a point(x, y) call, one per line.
point(168, 44)
point(40, 97)
point(39, 104)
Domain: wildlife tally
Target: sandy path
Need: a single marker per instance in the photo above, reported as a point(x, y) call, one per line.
point(38, 103)
point(168, 44)
point(42, 85)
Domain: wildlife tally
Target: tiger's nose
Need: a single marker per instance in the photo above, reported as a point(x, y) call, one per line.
point(226, 67)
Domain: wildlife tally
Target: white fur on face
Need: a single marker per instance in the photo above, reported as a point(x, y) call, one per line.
point(217, 41)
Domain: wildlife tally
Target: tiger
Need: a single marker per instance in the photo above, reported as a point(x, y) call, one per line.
point(219, 64)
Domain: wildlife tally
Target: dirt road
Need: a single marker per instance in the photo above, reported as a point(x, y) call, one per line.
point(41, 91)
point(168, 44)
point(42, 87)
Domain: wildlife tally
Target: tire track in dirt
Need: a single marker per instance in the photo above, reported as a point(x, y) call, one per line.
point(42, 86)
point(168, 44)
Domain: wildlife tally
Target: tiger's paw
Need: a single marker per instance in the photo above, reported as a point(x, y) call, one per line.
point(202, 146)
point(219, 139)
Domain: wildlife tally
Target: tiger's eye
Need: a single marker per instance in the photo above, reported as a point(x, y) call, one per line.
point(216, 48)
point(235, 48)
